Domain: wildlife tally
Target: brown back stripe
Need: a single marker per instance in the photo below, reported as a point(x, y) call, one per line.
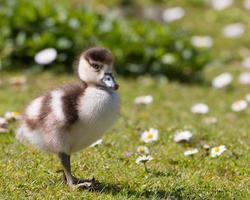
point(70, 101)
point(46, 107)
point(44, 111)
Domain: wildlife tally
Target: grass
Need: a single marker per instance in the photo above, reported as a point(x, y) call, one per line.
point(29, 174)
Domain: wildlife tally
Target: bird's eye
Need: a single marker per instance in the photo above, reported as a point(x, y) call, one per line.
point(96, 66)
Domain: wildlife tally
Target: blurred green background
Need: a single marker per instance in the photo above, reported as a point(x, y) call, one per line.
point(142, 40)
point(139, 41)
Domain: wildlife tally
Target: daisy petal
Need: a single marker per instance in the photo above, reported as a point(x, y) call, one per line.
point(191, 152)
point(200, 108)
point(143, 159)
point(222, 80)
point(46, 56)
point(239, 106)
point(182, 136)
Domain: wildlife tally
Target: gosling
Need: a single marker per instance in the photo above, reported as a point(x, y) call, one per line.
point(72, 117)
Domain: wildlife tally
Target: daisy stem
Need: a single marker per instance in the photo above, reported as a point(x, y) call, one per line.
point(145, 167)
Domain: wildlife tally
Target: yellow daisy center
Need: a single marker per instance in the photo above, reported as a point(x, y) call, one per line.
point(15, 114)
point(150, 136)
point(141, 150)
point(217, 149)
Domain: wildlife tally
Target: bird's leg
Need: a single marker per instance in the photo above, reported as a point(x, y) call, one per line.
point(65, 161)
point(71, 180)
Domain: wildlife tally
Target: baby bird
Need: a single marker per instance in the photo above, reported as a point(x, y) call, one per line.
point(72, 117)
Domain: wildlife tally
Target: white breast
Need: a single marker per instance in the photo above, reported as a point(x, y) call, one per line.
point(98, 110)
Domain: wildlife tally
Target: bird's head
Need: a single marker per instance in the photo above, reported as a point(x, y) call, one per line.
point(95, 67)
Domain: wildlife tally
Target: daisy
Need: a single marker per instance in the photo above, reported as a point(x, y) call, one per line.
point(244, 78)
point(46, 56)
point(143, 159)
point(173, 14)
point(239, 106)
point(202, 41)
point(221, 4)
point(217, 151)
point(246, 62)
point(200, 108)
point(191, 152)
point(12, 116)
point(150, 136)
point(18, 80)
point(247, 97)
point(234, 30)
point(148, 99)
point(222, 80)
point(246, 4)
point(96, 143)
point(183, 136)
point(3, 122)
point(143, 150)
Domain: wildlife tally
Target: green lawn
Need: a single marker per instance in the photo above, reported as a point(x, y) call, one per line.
point(29, 174)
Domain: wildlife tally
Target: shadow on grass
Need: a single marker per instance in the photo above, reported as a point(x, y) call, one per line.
point(125, 190)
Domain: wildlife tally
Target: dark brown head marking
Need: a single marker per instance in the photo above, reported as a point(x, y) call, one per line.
point(98, 54)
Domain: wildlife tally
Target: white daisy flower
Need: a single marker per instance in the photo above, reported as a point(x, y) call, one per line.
point(143, 159)
point(150, 136)
point(202, 41)
point(217, 151)
point(239, 106)
point(46, 56)
point(210, 120)
point(96, 143)
point(247, 97)
point(244, 78)
point(3, 122)
point(246, 4)
point(12, 116)
point(191, 152)
point(246, 62)
point(173, 14)
point(234, 30)
point(143, 150)
point(18, 80)
point(200, 108)
point(148, 99)
point(183, 136)
point(222, 80)
point(221, 4)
